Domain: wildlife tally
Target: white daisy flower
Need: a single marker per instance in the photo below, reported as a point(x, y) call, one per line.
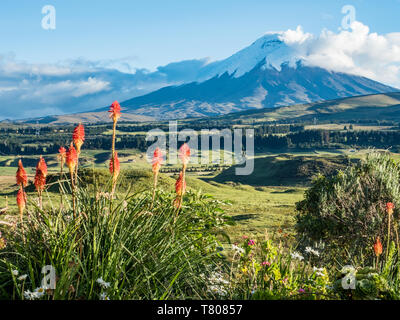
point(103, 296)
point(15, 272)
point(23, 277)
point(102, 283)
point(237, 248)
point(312, 251)
point(296, 256)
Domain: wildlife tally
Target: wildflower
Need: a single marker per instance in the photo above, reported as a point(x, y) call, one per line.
point(40, 176)
point(378, 247)
point(301, 290)
point(184, 154)
point(71, 158)
point(15, 272)
point(157, 160)
point(42, 166)
point(21, 201)
point(180, 185)
point(40, 292)
point(22, 277)
point(245, 237)
point(102, 283)
point(251, 243)
point(320, 272)
point(36, 294)
point(115, 114)
point(21, 177)
point(115, 167)
point(389, 207)
point(312, 251)
point(79, 137)
point(266, 263)
point(103, 296)
point(40, 181)
point(296, 256)
point(237, 248)
point(115, 110)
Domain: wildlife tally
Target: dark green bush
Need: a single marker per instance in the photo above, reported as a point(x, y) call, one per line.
point(347, 211)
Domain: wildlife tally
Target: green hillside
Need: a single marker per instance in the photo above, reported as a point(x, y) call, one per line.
point(286, 170)
point(376, 107)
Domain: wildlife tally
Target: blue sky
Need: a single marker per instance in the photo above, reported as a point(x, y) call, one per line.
point(149, 33)
point(103, 50)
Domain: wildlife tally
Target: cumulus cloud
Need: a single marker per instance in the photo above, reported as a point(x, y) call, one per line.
point(356, 51)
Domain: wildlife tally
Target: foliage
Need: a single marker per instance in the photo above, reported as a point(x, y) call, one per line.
point(141, 253)
point(347, 211)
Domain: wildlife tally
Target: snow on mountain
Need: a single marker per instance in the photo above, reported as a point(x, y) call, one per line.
point(269, 48)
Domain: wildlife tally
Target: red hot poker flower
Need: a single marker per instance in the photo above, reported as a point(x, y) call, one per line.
point(21, 201)
point(378, 247)
point(157, 160)
point(180, 185)
point(115, 171)
point(42, 166)
point(40, 181)
point(22, 178)
point(115, 111)
point(79, 137)
point(184, 154)
point(389, 207)
point(71, 158)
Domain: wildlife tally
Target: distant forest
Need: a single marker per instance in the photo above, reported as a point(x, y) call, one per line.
point(29, 140)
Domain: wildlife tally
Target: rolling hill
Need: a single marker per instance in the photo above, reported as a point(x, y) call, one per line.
point(367, 107)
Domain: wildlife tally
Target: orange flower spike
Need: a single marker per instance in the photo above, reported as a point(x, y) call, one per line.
point(115, 171)
point(115, 111)
point(180, 185)
point(184, 154)
point(71, 158)
point(42, 166)
point(157, 160)
point(40, 181)
point(21, 201)
point(378, 247)
point(389, 207)
point(21, 177)
point(79, 137)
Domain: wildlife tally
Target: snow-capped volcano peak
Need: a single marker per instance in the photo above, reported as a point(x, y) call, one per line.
point(270, 49)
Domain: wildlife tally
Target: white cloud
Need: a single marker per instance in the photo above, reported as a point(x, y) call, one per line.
point(356, 51)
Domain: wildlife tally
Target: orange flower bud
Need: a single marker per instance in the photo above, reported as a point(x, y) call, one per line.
point(180, 185)
point(79, 137)
point(72, 158)
point(389, 207)
point(157, 160)
point(115, 111)
point(21, 201)
point(115, 167)
point(184, 154)
point(378, 247)
point(22, 178)
point(42, 166)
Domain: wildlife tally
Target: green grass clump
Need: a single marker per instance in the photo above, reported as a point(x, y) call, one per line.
point(139, 253)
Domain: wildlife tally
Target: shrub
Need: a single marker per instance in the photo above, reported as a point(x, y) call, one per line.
point(347, 211)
